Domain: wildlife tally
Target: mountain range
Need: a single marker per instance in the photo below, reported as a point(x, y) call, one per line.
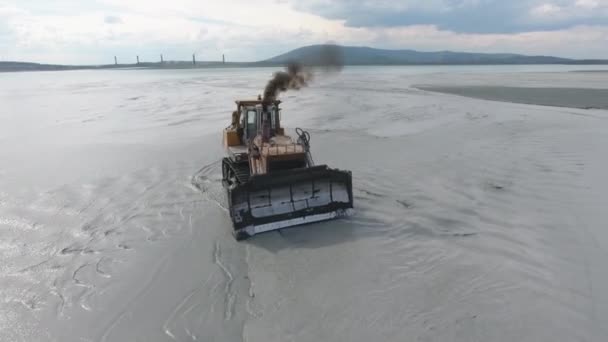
point(349, 55)
point(353, 55)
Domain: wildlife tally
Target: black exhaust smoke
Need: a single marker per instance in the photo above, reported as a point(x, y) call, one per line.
point(295, 77)
point(297, 74)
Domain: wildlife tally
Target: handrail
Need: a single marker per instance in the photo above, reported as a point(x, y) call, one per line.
point(276, 149)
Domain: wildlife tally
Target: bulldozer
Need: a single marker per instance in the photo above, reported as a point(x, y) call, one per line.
point(271, 180)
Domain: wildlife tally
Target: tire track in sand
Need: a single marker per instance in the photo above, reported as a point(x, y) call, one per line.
point(228, 293)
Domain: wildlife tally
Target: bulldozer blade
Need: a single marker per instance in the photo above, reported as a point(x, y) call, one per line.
point(289, 198)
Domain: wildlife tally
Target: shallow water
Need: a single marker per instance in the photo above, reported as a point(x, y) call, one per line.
point(475, 220)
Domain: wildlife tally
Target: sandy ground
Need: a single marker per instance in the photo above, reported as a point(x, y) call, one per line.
point(558, 97)
point(475, 220)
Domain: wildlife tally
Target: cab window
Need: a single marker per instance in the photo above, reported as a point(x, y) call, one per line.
point(273, 118)
point(251, 117)
point(252, 127)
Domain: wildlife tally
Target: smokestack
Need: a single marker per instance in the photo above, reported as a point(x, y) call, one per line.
point(193, 59)
point(161, 59)
point(115, 61)
point(223, 59)
point(137, 60)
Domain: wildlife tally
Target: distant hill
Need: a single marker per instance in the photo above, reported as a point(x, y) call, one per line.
point(353, 55)
point(314, 55)
point(24, 66)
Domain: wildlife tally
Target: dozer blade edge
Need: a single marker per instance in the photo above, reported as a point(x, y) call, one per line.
point(289, 198)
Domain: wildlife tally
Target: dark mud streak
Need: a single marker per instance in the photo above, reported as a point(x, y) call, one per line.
point(581, 98)
point(371, 193)
point(405, 204)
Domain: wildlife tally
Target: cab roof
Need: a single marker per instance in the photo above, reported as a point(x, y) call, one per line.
point(247, 103)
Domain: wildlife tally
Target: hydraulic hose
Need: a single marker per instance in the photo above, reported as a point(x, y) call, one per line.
point(304, 139)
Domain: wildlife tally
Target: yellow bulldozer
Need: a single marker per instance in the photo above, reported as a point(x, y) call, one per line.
point(270, 178)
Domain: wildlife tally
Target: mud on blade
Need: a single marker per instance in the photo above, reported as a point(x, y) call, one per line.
point(283, 199)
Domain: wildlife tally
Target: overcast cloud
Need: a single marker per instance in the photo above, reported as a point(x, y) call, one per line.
point(65, 31)
point(467, 16)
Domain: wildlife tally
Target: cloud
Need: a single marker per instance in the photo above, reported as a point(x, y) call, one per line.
point(578, 42)
point(41, 36)
point(177, 29)
point(111, 19)
point(466, 16)
point(94, 32)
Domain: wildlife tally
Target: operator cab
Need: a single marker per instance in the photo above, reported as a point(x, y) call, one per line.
point(250, 119)
point(257, 118)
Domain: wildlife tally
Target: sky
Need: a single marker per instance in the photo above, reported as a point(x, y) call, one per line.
point(94, 31)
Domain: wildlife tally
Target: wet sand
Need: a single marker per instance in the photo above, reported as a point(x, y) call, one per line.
point(558, 97)
point(475, 220)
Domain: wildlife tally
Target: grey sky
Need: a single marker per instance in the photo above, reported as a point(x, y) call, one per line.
point(468, 16)
point(66, 31)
